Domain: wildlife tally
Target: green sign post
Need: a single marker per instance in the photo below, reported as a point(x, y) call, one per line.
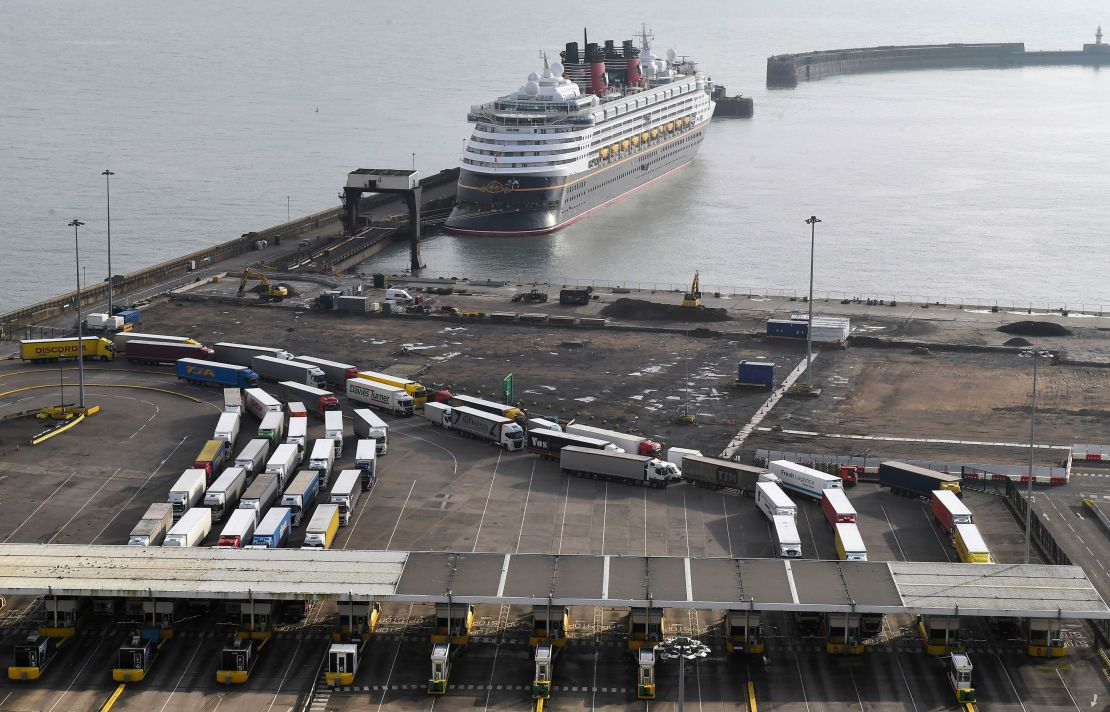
point(507, 389)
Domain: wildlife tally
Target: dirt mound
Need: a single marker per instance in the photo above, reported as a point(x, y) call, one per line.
point(642, 310)
point(1035, 328)
point(1017, 341)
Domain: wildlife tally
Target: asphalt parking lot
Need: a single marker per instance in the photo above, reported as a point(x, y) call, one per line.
point(440, 492)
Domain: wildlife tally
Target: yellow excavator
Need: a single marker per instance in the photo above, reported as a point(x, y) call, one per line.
point(692, 299)
point(269, 293)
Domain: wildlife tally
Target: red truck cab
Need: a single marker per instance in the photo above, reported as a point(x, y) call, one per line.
point(850, 473)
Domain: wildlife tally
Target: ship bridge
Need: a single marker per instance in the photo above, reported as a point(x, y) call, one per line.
point(1026, 590)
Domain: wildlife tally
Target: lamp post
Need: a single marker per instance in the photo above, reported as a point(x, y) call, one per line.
point(108, 201)
point(75, 223)
point(812, 221)
point(684, 649)
point(1032, 434)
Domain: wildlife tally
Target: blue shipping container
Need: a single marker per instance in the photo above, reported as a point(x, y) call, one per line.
point(756, 373)
point(787, 329)
point(130, 316)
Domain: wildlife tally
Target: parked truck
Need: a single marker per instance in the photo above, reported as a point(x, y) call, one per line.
point(188, 491)
point(298, 434)
point(272, 428)
point(191, 529)
point(437, 413)
point(273, 531)
point(283, 463)
point(345, 493)
point(367, 424)
point(223, 496)
point(41, 350)
point(261, 495)
point(617, 466)
point(214, 373)
point(152, 528)
point(279, 369)
point(239, 530)
point(486, 426)
point(213, 458)
point(243, 353)
point(333, 429)
point(317, 400)
point(773, 502)
point(301, 494)
point(163, 352)
point(227, 428)
point(335, 373)
point(379, 395)
point(259, 402)
point(548, 443)
point(804, 480)
point(321, 529)
point(632, 444)
point(914, 481)
point(849, 543)
point(295, 409)
point(366, 462)
point(714, 473)
point(787, 542)
point(253, 457)
point(970, 545)
point(233, 401)
point(121, 339)
point(322, 460)
point(837, 508)
point(949, 511)
point(415, 389)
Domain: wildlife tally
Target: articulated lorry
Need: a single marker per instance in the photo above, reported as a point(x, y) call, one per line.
point(253, 456)
point(322, 460)
point(239, 530)
point(548, 443)
point(301, 493)
point(379, 395)
point(227, 428)
point(261, 495)
point(368, 425)
point(191, 529)
point(616, 466)
point(121, 339)
point(316, 400)
point(214, 373)
point(188, 491)
point(272, 428)
point(152, 528)
point(366, 462)
point(437, 413)
point(321, 529)
point(632, 444)
point(162, 352)
point(259, 402)
point(345, 493)
point(273, 531)
point(418, 392)
point(949, 511)
point(773, 502)
point(333, 430)
point(283, 463)
point(233, 401)
point(279, 369)
point(335, 373)
point(914, 481)
point(243, 353)
point(788, 542)
point(804, 480)
point(212, 458)
point(849, 543)
point(223, 496)
point(39, 350)
point(837, 507)
point(714, 473)
point(486, 426)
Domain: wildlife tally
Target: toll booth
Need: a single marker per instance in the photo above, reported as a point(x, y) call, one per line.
point(135, 658)
point(940, 634)
point(160, 616)
point(441, 668)
point(61, 615)
point(256, 619)
point(743, 632)
point(842, 633)
point(453, 622)
point(357, 620)
point(105, 606)
point(32, 655)
point(870, 624)
point(541, 681)
point(645, 673)
point(958, 667)
point(237, 660)
point(1043, 637)
point(549, 625)
point(808, 623)
point(343, 660)
point(646, 627)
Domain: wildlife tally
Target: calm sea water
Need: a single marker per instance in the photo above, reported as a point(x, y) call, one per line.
point(215, 114)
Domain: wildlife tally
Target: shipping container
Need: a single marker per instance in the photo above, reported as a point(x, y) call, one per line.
point(239, 529)
point(804, 480)
point(772, 501)
point(335, 373)
point(321, 529)
point(191, 529)
point(837, 508)
point(366, 462)
point(756, 373)
point(130, 316)
point(970, 546)
point(849, 543)
point(786, 329)
point(39, 350)
point(317, 400)
point(949, 510)
point(243, 353)
point(345, 493)
point(253, 457)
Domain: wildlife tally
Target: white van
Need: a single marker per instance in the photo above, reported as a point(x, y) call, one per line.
point(398, 296)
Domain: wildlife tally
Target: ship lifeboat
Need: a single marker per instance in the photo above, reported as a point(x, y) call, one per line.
point(685, 120)
point(635, 140)
point(603, 153)
point(625, 144)
point(655, 133)
point(615, 147)
point(645, 136)
point(670, 126)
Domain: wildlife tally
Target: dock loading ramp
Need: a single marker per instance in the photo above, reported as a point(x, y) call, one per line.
point(1034, 591)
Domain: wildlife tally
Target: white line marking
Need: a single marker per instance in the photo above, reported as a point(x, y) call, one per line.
point(400, 514)
point(504, 576)
point(79, 671)
point(141, 488)
point(947, 555)
point(855, 687)
point(894, 533)
point(71, 476)
point(389, 675)
point(182, 676)
point(563, 526)
point(645, 522)
point(605, 578)
point(1068, 690)
point(281, 684)
point(604, 516)
point(686, 524)
point(1011, 681)
point(790, 580)
point(524, 514)
point(904, 680)
point(486, 505)
point(728, 534)
point(689, 581)
point(801, 680)
point(90, 499)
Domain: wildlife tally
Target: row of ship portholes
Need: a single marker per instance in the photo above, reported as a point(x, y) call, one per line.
point(614, 150)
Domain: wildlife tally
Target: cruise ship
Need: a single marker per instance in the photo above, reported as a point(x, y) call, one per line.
point(583, 133)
